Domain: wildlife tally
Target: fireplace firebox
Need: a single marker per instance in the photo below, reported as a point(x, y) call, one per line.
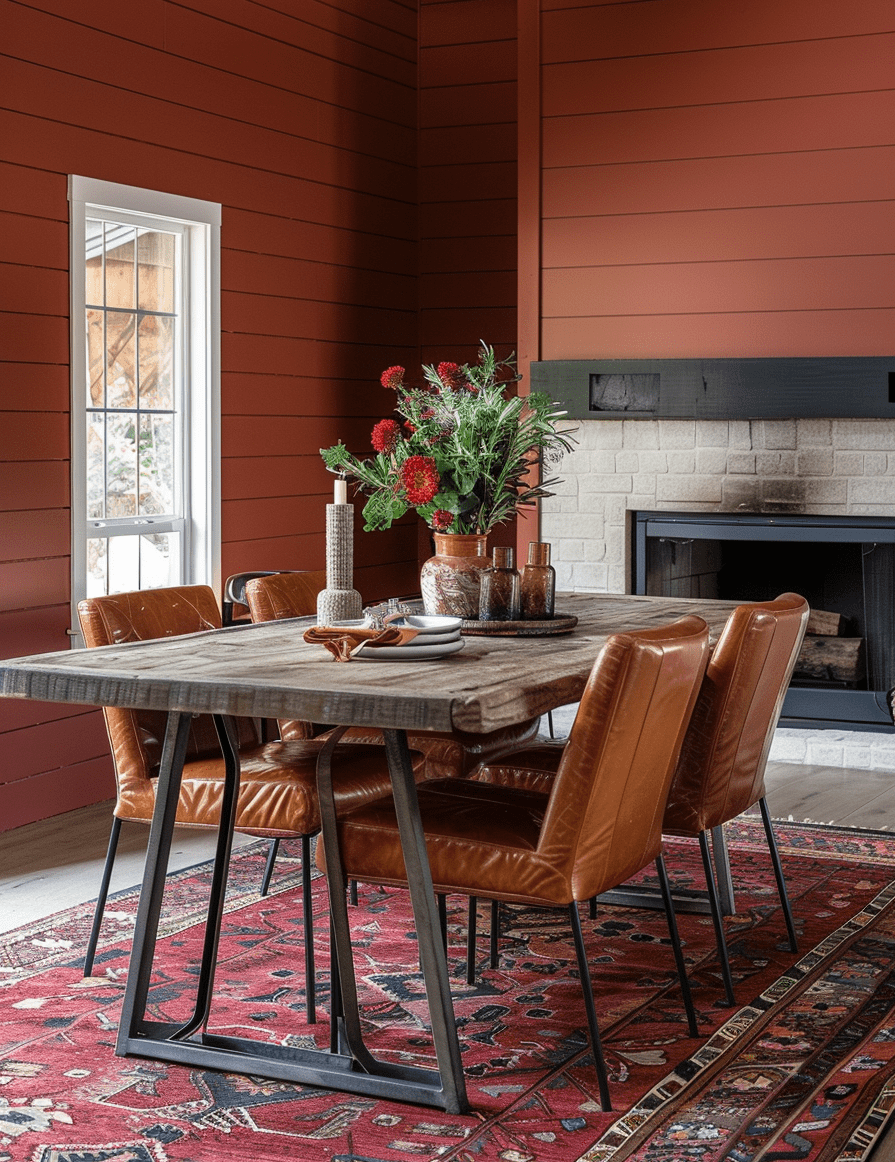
point(843, 566)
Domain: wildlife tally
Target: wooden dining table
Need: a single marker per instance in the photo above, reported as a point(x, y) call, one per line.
point(269, 671)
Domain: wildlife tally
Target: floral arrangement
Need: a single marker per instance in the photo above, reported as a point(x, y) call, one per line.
point(461, 450)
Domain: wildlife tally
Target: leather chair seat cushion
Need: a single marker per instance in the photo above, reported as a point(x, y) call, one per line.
point(449, 754)
point(531, 768)
point(278, 787)
point(481, 840)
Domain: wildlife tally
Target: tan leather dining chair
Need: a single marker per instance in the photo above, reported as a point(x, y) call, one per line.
point(278, 788)
point(720, 773)
point(600, 823)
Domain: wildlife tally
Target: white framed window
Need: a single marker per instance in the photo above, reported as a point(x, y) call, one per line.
point(145, 372)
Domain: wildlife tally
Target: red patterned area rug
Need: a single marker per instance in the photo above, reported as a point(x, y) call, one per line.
point(805, 1070)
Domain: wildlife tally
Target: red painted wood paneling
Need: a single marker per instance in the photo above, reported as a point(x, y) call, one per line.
point(693, 25)
point(717, 181)
point(300, 118)
point(35, 630)
point(32, 241)
point(34, 290)
point(33, 435)
point(271, 236)
point(53, 744)
point(788, 179)
point(712, 336)
point(25, 535)
point(32, 584)
point(33, 192)
point(42, 484)
point(794, 69)
point(816, 284)
point(467, 176)
point(18, 713)
point(53, 792)
point(262, 476)
point(842, 121)
point(766, 232)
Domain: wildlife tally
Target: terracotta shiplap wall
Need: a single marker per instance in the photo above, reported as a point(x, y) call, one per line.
point(299, 116)
point(717, 179)
point(467, 185)
point(467, 177)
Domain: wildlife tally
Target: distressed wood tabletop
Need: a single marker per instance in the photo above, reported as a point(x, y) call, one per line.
point(268, 671)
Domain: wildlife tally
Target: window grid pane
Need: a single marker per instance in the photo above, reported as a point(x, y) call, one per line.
point(131, 372)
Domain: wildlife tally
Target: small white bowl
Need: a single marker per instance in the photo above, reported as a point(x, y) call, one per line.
point(424, 623)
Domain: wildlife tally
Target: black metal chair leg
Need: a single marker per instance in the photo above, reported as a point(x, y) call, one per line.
point(550, 723)
point(715, 906)
point(442, 918)
point(103, 893)
point(352, 893)
point(470, 940)
point(308, 920)
point(268, 867)
point(778, 872)
point(336, 1011)
point(592, 907)
point(590, 1008)
point(495, 931)
point(676, 945)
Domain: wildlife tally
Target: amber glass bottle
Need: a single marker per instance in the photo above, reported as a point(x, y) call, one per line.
point(501, 589)
point(538, 582)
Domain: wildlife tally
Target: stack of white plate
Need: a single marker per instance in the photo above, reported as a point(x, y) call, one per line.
point(436, 637)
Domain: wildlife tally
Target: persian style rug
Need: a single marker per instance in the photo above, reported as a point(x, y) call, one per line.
point(804, 1070)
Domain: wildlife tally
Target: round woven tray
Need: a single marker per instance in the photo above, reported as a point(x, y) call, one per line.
point(559, 623)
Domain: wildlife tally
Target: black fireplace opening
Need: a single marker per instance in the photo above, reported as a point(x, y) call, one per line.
point(843, 566)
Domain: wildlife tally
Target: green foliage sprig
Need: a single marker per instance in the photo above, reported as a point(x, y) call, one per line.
point(464, 451)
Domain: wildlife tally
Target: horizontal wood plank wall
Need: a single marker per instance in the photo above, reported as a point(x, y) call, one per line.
point(300, 117)
point(718, 179)
point(467, 176)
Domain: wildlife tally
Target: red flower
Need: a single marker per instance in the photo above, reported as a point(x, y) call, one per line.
point(392, 377)
point(420, 479)
point(384, 436)
point(442, 520)
point(449, 374)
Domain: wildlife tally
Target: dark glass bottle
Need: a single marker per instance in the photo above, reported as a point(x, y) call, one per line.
point(538, 582)
point(501, 589)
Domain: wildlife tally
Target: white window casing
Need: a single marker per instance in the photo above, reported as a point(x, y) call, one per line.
point(194, 227)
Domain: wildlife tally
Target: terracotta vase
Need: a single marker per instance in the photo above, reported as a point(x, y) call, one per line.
point(451, 579)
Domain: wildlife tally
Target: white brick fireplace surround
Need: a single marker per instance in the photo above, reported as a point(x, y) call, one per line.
point(828, 467)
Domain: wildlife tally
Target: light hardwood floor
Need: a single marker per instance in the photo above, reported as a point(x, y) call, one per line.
point(57, 863)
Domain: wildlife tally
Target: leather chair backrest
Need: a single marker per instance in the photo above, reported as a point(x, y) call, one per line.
point(604, 817)
point(722, 764)
point(280, 596)
point(136, 736)
point(283, 595)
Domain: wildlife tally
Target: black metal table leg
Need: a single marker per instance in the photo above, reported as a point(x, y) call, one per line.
point(156, 867)
point(229, 741)
point(425, 914)
point(445, 1088)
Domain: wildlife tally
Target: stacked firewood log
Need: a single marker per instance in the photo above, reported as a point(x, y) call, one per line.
point(827, 654)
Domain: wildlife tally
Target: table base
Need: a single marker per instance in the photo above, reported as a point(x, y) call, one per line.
point(347, 1065)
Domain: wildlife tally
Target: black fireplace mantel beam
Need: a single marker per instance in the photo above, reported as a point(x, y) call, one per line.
point(720, 389)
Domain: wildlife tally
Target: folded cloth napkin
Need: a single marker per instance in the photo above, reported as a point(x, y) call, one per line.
point(343, 642)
